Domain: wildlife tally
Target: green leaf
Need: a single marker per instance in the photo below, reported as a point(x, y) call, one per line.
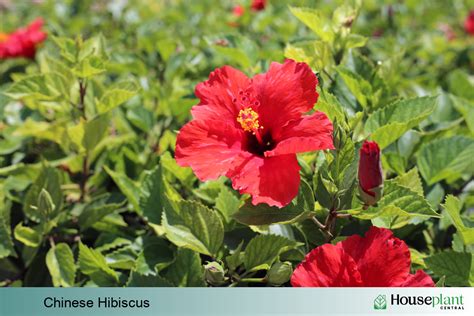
point(360, 88)
point(398, 205)
point(329, 104)
point(445, 158)
point(93, 46)
point(155, 256)
point(128, 187)
point(441, 282)
point(466, 109)
point(184, 174)
point(235, 55)
point(460, 84)
point(117, 95)
point(45, 87)
point(187, 270)
point(27, 235)
point(67, 47)
point(89, 67)
point(49, 180)
point(411, 180)
point(316, 21)
point(123, 258)
point(263, 214)
point(227, 203)
point(355, 40)
point(453, 207)
point(91, 57)
point(392, 121)
point(60, 262)
point(263, 250)
point(152, 195)
point(236, 258)
point(192, 225)
point(93, 263)
point(94, 212)
point(138, 280)
point(94, 131)
point(6, 243)
point(458, 268)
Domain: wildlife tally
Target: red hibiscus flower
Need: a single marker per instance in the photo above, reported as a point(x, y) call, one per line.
point(23, 41)
point(370, 172)
point(251, 129)
point(378, 259)
point(258, 5)
point(238, 10)
point(469, 23)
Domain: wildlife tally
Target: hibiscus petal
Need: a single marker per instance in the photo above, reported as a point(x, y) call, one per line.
point(208, 147)
point(419, 279)
point(274, 180)
point(309, 133)
point(327, 265)
point(218, 93)
point(285, 92)
point(381, 258)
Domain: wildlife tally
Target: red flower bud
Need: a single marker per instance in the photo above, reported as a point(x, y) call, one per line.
point(370, 173)
point(469, 23)
point(258, 5)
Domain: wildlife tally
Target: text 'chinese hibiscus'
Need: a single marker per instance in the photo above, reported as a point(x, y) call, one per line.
point(378, 259)
point(250, 130)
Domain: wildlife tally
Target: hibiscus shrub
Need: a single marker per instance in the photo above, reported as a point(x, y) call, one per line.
point(263, 143)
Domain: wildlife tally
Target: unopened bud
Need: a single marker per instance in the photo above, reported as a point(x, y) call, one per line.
point(214, 273)
point(279, 273)
point(45, 203)
point(370, 173)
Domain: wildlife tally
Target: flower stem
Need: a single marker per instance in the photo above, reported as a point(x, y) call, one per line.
point(254, 280)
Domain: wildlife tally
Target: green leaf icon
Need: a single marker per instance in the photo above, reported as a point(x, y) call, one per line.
point(380, 302)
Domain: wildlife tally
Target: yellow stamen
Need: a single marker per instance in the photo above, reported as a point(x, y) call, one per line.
point(248, 119)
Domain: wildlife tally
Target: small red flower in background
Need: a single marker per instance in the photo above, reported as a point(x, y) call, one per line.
point(469, 23)
point(378, 259)
point(23, 41)
point(238, 10)
point(251, 129)
point(370, 172)
point(258, 5)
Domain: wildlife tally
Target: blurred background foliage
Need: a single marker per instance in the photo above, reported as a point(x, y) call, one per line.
point(86, 157)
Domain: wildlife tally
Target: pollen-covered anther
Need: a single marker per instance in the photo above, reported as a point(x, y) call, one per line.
point(248, 119)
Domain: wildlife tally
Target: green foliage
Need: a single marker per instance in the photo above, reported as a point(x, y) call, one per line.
point(90, 190)
point(263, 250)
point(392, 121)
point(61, 266)
point(92, 263)
point(453, 208)
point(446, 158)
point(186, 270)
point(458, 268)
point(194, 226)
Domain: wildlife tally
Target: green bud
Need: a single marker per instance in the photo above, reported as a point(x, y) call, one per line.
point(214, 273)
point(45, 203)
point(280, 273)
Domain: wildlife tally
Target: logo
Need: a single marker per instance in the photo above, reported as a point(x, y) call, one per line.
point(380, 302)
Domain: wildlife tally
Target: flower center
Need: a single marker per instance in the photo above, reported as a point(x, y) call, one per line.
point(248, 119)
